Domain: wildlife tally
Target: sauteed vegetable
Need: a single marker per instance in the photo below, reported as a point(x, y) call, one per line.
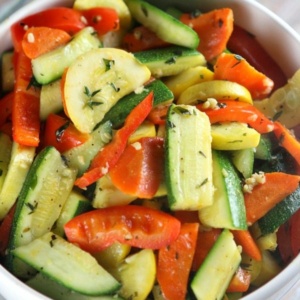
point(145, 154)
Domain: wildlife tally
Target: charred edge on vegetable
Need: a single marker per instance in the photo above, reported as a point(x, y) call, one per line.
point(61, 130)
point(1, 172)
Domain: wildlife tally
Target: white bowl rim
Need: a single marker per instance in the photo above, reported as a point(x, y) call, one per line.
point(286, 276)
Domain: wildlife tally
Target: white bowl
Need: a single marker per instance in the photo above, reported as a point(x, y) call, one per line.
point(282, 43)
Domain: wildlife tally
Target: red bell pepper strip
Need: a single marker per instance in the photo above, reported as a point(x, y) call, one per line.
point(110, 154)
point(235, 68)
point(245, 44)
point(266, 195)
point(134, 225)
point(287, 140)
point(238, 111)
point(5, 228)
point(62, 134)
point(39, 40)
point(139, 170)
point(63, 18)
point(158, 114)
point(214, 29)
point(295, 233)
point(6, 108)
point(103, 19)
point(174, 262)
point(284, 242)
point(26, 104)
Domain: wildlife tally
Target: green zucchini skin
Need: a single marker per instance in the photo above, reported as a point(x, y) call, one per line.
point(118, 113)
point(44, 192)
point(170, 60)
point(160, 22)
point(215, 273)
point(55, 257)
point(228, 209)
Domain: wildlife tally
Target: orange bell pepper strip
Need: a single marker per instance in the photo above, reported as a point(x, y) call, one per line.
point(240, 282)
point(6, 108)
point(245, 44)
point(141, 39)
point(249, 246)
point(40, 40)
point(64, 18)
point(238, 111)
point(62, 134)
point(174, 262)
point(266, 195)
point(205, 241)
point(214, 29)
point(139, 170)
point(26, 104)
point(235, 68)
point(287, 140)
point(111, 153)
point(134, 225)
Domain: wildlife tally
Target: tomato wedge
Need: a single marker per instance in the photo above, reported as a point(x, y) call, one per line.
point(138, 226)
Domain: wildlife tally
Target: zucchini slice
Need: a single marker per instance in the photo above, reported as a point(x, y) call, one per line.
point(20, 161)
point(44, 192)
point(51, 65)
point(171, 60)
point(163, 24)
point(53, 256)
point(188, 169)
point(228, 208)
point(215, 273)
point(96, 81)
